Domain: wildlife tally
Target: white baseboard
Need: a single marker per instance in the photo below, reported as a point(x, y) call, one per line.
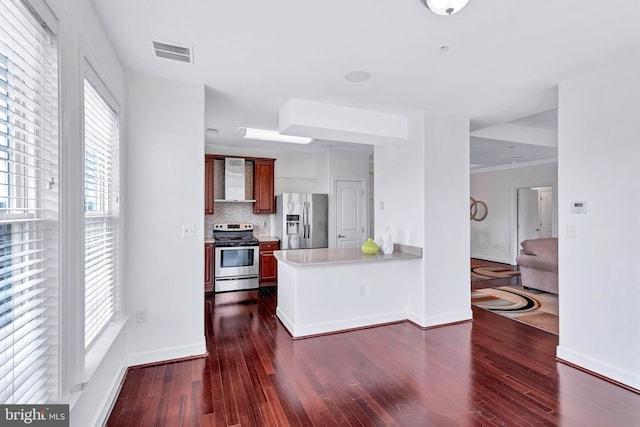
point(168, 354)
point(441, 320)
point(341, 325)
point(285, 320)
point(599, 367)
point(492, 258)
point(361, 322)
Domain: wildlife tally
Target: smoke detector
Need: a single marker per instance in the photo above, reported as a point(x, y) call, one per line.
point(172, 51)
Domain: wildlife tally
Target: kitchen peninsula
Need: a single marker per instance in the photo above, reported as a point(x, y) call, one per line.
point(329, 290)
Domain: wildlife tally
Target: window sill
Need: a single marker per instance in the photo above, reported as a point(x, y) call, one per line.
point(100, 348)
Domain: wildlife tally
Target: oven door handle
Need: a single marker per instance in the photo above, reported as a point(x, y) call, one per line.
point(229, 279)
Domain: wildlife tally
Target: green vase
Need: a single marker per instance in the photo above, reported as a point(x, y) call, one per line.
point(370, 247)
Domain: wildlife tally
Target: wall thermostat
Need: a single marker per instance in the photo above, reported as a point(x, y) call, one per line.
point(579, 208)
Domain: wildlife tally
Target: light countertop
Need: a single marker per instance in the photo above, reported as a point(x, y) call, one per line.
point(266, 238)
point(325, 256)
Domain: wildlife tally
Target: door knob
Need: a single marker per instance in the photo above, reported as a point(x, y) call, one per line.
point(340, 236)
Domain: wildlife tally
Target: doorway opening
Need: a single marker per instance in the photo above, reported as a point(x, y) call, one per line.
point(535, 214)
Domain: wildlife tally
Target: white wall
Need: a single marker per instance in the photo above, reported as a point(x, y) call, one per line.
point(494, 238)
point(399, 182)
point(165, 171)
point(301, 172)
point(446, 241)
point(422, 192)
point(349, 163)
point(599, 274)
point(399, 203)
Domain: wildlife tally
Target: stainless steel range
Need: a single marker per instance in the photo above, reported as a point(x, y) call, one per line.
point(236, 257)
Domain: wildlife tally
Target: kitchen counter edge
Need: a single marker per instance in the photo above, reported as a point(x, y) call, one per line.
point(326, 256)
point(264, 239)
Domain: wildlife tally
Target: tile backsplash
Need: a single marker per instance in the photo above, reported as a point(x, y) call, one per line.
point(238, 212)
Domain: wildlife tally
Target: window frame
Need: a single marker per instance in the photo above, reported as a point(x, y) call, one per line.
point(80, 363)
point(99, 346)
point(32, 171)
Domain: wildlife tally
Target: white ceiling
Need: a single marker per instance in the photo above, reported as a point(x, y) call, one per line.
point(489, 152)
point(504, 61)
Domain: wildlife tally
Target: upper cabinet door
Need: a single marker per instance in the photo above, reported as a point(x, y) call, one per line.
point(263, 190)
point(208, 185)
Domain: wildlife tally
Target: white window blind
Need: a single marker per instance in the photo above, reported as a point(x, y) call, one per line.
point(28, 206)
point(101, 206)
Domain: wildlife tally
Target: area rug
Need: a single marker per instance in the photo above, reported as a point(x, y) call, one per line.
point(535, 308)
point(492, 272)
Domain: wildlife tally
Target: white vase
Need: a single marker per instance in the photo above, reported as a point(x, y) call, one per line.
point(385, 243)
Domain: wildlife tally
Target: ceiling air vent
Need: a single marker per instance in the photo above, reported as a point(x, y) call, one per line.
point(173, 52)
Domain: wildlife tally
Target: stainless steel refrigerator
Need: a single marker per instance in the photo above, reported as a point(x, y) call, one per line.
point(302, 220)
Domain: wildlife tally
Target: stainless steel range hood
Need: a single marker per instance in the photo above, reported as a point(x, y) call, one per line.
point(234, 181)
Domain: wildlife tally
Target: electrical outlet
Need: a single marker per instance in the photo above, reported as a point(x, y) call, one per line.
point(188, 230)
point(141, 316)
point(363, 290)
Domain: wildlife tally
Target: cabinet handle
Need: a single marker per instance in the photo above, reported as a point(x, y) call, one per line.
point(340, 236)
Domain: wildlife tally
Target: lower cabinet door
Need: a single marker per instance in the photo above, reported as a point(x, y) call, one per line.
point(268, 263)
point(209, 278)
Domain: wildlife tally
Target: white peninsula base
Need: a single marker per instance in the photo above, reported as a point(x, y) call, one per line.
point(329, 290)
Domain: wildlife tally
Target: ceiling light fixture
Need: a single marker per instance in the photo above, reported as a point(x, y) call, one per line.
point(444, 7)
point(357, 76)
point(272, 135)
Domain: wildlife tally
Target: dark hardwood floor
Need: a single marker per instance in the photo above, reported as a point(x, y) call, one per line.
point(489, 372)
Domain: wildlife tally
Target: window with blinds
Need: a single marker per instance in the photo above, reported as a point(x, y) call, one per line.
point(28, 207)
point(101, 207)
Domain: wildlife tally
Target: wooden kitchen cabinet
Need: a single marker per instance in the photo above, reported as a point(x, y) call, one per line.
point(209, 272)
point(268, 263)
point(208, 184)
point(263, 189)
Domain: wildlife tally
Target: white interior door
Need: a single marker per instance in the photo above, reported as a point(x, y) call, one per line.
point(528, 215)
point(350, 214)
point(546, 213)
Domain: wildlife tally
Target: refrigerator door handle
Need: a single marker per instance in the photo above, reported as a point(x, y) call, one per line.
point(309, 221)
point(306, 220)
